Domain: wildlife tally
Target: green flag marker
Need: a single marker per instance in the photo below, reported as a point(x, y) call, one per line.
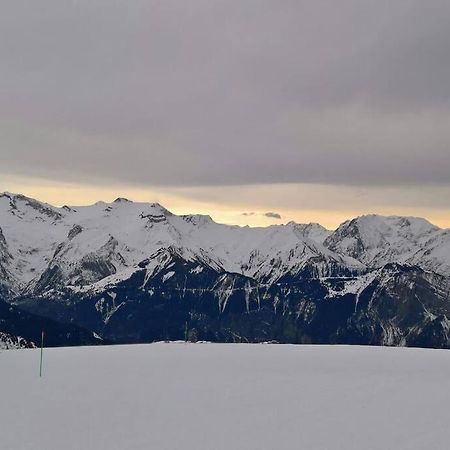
point(42, 351)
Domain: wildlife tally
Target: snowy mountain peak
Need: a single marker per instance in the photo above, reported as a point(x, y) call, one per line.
point(374, 223)
point(28, 208)
point(377, 240)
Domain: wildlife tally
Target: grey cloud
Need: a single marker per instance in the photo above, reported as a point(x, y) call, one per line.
point(272, 215)
point(214, 92)
point(318, 196)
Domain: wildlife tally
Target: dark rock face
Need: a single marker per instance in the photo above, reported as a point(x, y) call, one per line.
point(5, 257)
point(399, 306)
point(404, 307)
point(75, 231)
point(16, 322)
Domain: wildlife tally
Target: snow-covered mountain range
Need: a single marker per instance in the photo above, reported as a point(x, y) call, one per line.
point(83, 245)
point(70, 254)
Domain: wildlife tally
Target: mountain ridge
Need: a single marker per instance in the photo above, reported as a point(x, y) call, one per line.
point(107, 266)
point(349, 244)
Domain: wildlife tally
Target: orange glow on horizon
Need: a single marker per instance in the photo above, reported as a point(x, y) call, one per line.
point(228, 212)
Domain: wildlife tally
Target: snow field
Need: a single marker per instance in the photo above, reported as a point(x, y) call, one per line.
point(225, 397)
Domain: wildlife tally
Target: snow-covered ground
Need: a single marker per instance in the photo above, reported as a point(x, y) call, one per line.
point(225, 397)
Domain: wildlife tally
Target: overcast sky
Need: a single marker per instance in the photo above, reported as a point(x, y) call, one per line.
point(230, 105)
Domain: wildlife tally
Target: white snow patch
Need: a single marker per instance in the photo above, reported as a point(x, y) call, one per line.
point(167, 276)
point(196, 270)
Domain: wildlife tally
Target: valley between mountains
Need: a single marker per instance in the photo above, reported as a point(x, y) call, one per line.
point(126, 272)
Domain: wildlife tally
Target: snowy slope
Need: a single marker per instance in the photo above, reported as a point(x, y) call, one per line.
point(32, 231)
point(222, 397)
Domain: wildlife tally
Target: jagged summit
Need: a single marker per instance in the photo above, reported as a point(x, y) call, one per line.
point(11, 194)
point(198, 219)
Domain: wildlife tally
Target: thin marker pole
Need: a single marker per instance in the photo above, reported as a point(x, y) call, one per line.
point(42, 352)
